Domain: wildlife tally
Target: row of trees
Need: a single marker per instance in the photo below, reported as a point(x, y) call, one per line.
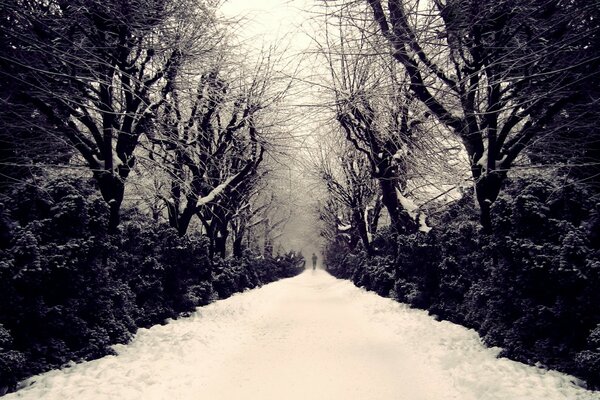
point(426, 91)
point(466, 182)
point(137, 151)
point(144, 91)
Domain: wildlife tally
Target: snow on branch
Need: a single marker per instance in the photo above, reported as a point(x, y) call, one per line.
point(216, 191)
point(413, 211)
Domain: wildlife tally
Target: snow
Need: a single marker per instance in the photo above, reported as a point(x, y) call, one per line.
point(215, 192)
point(423, 227)
point(309, 337)
point(401, 153)
point(502, 160)
point(408, 205)
point(413, 211)
point(366, 221)
point(97, 159)
point(344, 227)
point(483, 160)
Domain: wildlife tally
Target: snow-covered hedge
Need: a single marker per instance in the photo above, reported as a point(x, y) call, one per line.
point(532, 287)
point(234, 275)
point(69, 290)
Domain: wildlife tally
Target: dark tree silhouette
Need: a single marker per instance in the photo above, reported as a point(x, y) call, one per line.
point(496, 73)
point(97, 71)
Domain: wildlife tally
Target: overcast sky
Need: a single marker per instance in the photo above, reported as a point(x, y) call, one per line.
point(283, 23)
point(269, 19)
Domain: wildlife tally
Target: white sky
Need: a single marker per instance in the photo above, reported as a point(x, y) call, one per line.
point(268, 21)
point(282, 23)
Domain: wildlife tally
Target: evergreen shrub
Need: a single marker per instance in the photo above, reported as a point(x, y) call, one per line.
point(69, 289)
point(532, 286)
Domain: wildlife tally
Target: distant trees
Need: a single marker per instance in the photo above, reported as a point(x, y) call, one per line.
point(373, 110)
point(247, 217)
point(354, 197)
point(496, 73)
point(269, 214)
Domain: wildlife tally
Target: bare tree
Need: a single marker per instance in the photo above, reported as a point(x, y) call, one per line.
point(261, 221)
point(208, 143)
point(211, 139)
point(347, 176)
point(496, 73)
point(97, 71)
point(244, 220)
point(372, 106)
point(334, 229)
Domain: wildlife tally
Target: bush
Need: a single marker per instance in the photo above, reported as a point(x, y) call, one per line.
point(56, 274)
point(12, 362)
point(377, 274)
point(339, 262)
point(234, 275)
point(160, 267)
point(70, 290)
point(531, 287)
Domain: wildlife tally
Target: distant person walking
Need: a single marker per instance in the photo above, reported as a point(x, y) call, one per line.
point(314, 258)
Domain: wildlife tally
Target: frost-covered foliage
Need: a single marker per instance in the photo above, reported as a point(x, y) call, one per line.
point(531, 287)
point(233, 274)
point(69, 289)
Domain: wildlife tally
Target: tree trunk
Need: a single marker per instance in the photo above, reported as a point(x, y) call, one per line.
point(221, 242)
point(114, 219)
point(184, 220)
point(373, 216)
point(181, 220)
point(112, 189)
point(400, 220)
point(238, 247)
point(487, 189)
point(359, 221)
point(268, 250)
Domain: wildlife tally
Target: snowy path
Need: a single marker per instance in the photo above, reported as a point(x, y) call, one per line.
point(309, 337)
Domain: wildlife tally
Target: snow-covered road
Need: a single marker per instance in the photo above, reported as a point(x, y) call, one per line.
point(310, 337)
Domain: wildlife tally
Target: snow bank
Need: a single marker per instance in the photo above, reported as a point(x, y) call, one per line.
point(308, 337)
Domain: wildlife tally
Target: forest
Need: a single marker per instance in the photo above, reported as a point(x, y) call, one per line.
point(447, 152)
